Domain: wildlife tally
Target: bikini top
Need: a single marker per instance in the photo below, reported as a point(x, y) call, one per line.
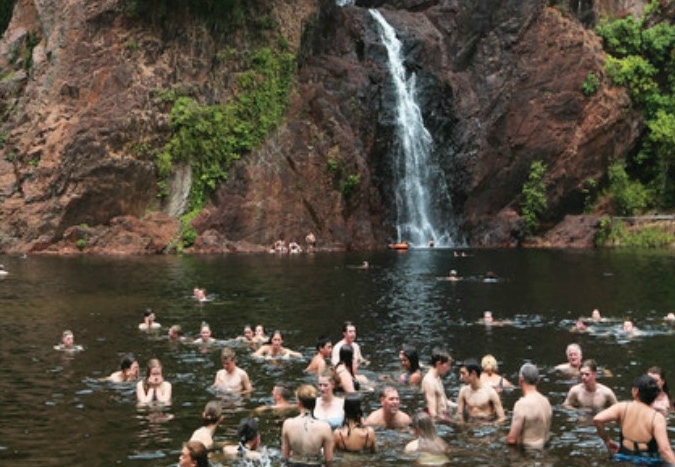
point(652, 445)
point(365, 441)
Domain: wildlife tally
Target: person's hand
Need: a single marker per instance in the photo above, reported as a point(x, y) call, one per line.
point(155, 380)
point(612, 446)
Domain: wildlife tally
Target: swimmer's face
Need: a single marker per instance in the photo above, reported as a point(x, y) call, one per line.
point(391, 401)
point(185, 460)
point(277, 341)
point(464, 376)
point(574, 357)
point(68, 340)
point(587, 375)
point(248, 333)
point(658, 379)
point(326, 349)
point(487, 317)
point(596, 315)
point(155, 376)
point(229, 364)
point(259, 331)
point(404, 360)
point(350, 334)
point(133, 370)
point(205, 333)
point(628, 326)
point(442, 368)
point(325, 385)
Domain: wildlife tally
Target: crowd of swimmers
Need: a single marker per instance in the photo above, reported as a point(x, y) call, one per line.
point(328, 416)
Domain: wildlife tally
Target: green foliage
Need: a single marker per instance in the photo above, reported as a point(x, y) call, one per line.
point(211, 137)
point(349, 185)
point(331, 165)
point(6, 10)
point(630, 197)
point(589, 190)
point(613, 232)
point(642, 58)
point(534, 197)
point(81, 244)
point(590, 84)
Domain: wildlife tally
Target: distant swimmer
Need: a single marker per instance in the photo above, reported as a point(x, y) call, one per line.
point(275, 349)
point(176, 333)
point(294, 248)
point(364, 265)
point(199, 294)
point(205, 336)
point(629, 329)
point(596, 316)
point(452, 276)
point(669, 318)
point(149, 322)
point(490, 277)
point(3, 271)
point(68, 343)
point(573, 364)
point(489, 320)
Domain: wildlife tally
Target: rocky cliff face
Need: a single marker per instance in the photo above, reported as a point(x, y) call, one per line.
point(500, 87)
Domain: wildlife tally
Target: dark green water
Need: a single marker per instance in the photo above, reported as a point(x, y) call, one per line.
point(54, 412)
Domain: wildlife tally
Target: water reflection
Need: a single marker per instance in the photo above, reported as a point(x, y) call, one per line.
point(55, 409)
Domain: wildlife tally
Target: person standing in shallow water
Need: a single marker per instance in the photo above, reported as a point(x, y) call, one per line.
point(304, 439)
point(438, 404)
point(573, 364)
point(153, 388)
point(532, 414)
point(589, 394)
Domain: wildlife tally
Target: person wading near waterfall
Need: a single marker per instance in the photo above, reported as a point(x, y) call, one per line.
point(348, 338)
point(532, 414)
point(438, 404)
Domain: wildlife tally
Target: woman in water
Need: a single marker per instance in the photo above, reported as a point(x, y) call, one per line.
point(663, 402)
point(128, 370)
point(153, 388)
point(260, 337)
point(274, 348)
point(212, 416)
point(205, 336)
point(353, 436)
point(489, 374)
point(642, 434)
point(427, 439)
point(329, 407)
point(249, 441)
point(345, 370)
point(411, 362)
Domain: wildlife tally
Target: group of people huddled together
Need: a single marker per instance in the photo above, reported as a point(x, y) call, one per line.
point(329, 416)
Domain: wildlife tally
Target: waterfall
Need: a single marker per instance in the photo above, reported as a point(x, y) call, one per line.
point(344, 2)
point(422, 196)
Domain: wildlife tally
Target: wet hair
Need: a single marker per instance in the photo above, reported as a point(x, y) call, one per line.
point(648, 389)
point(657, 370)
point(530, 374)
point(284, 390)
point(352, 408)
point(126, 361)
point(590, 364)
point(428, 440)
point(346, 324)
point(147, 312)
point(472, 365)
point(67, 333)
point(306, 395)
point(274, 333)
point(228, 354)
point(439, 355)
point(152, 363)
point(247, 430)
point(410, 352)
point(347, 357)
point(198, 453)
point(322, 341)
point(386, 390)
point(212, 412)
point(176, 329)
point(574, 346)
point(204, 325)
point(489, 363)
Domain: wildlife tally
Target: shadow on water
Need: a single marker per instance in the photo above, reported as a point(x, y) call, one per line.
point(57, 412)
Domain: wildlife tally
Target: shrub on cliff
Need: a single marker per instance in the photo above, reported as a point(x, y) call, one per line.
point(642, 58)
point(534, 197)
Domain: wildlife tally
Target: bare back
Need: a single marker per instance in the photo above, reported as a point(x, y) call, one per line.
point(531, 422)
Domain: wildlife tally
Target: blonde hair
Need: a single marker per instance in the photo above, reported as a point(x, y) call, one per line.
point(489, 363)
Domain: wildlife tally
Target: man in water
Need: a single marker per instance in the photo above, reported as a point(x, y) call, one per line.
point(438, 404)
point(531, 423)
point(304, 439)
point(480, 401)
point(389, 416)
point(232, 378)
point(324, 346)
point(589, 393)
point(348, 337)
point(281, 395)
point(573, 364)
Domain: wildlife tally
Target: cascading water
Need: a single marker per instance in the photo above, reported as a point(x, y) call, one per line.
point(422, 196)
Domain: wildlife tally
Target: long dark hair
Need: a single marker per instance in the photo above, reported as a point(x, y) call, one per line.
point(352, 409)
point(657, 370)
point(410, 353)
point(347, 357)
